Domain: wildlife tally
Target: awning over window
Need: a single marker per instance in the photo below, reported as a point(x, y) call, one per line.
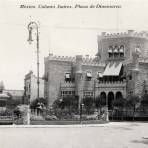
point(100, 75)
point(110, 51)
point(67, 75)
point(112, 69)
point(88, 74)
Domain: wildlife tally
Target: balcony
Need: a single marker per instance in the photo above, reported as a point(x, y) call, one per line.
point(111, 84)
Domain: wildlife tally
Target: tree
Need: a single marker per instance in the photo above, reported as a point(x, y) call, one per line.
point(99, 102)
point(119, 103)
point(133, 101)
point(88, 104)
point(66, 102)
point(35, 102)
point(144, 101)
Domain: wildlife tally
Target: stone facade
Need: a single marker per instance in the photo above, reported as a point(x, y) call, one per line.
point(119, 69)
point(30, 83)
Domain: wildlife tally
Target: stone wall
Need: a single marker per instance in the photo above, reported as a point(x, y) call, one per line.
point(130, 40)
point(55, 69)
point(136, 85)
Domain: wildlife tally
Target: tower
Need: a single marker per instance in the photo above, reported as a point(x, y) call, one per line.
point(78, 78)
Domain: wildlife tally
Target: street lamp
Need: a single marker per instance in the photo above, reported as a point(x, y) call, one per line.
point(81, 107)
point(31, 27)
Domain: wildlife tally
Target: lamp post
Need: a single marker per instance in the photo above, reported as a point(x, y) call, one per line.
point(81, 107)
point(31, 27)
point(106, 112)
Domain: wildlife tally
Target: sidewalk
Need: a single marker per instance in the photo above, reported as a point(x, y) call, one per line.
point(71, 126)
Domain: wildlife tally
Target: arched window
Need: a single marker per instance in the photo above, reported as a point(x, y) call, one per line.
point(121, 51)
point(88, 75)
point(110, 51)
point(119, 95)
point(103, 98)
point(110, 100)
point(116, 51)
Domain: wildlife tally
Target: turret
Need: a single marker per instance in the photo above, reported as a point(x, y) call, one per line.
point(78, 77)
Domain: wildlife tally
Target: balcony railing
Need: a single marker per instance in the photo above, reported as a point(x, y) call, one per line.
point(112, 84)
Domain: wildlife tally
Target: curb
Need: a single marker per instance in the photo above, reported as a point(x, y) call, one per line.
point(109, 124)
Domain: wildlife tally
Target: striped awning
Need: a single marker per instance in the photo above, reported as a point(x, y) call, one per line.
point(112, 69)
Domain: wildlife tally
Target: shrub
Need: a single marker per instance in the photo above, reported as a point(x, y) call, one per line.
point(144, 101)
point(36, 118)
point(34, 103)
point(120, 103)
point(50, 117)
point(133, 101)
point(99, 102)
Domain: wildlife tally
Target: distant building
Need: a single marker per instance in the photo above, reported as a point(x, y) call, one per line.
point(120, 69)
point(30, 86)
point(3, 97)
point(15, 94)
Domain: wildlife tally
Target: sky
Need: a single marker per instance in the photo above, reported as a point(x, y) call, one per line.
point(66, 32)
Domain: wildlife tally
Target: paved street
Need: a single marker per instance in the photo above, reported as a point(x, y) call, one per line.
point(112, 135)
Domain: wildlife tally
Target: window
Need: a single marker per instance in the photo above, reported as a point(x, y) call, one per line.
point(88, 75)
point(116, 51)
point(110, 51)
point(88, 94)
point(130, 77)
point(67, 77)
point(99, 75)
point(145, 91)
point(121, 51)
point(67, 93)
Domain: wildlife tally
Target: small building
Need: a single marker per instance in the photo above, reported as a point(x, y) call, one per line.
point(15, 94)
point(30, 87)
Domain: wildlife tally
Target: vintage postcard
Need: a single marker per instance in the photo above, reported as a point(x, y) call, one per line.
point(74, 73)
